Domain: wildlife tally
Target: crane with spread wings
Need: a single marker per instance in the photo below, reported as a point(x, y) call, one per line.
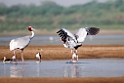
point(74, 41)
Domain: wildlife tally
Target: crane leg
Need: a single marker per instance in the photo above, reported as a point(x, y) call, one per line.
point(22, 56)
point(72, 58)
point(71, 51)
point(77, 57)
point(14, 52)
point(72, 55)
point(15, 55)
point(76, 51)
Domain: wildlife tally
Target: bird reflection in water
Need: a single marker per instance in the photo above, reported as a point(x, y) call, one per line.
point(38, 70)
point(17, 70)
point(72, 70)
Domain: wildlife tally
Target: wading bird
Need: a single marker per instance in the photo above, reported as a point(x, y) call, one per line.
point(74, 41)
point(38, 55)
point(21, 43)
point(6, 60)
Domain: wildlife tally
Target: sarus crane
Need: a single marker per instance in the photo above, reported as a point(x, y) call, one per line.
point(21, 43)
point(74, 41)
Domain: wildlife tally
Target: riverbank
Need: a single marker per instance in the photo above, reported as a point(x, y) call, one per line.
point(63, 80)
point(53, 52)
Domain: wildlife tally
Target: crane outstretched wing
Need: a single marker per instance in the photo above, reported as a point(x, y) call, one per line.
point(64, 34)
point(83, 32)
point(75, 41)
point(20, 43)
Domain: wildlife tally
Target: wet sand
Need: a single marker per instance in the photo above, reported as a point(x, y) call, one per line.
point(52, 52)
point(62, 80)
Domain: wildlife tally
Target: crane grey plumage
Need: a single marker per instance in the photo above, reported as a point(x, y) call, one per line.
point(73, 41)
point(21, 43)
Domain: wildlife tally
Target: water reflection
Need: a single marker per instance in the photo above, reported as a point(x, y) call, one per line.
point(17, 70)
point(21, 70)
point(4, 70)
point(85, 68)
point(26, 70)
point(38, 70)
point(72, 70)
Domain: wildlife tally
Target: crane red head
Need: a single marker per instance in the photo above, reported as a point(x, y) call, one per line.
point(30, 28)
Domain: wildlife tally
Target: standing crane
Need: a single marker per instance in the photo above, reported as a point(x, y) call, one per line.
point(74, 41)
point(21, 43)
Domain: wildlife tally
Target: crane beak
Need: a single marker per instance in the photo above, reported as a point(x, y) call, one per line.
point(33, 29)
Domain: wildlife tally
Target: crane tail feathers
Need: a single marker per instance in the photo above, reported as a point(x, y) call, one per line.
point(92, 30)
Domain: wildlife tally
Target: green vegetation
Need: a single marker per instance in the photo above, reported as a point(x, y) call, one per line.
point(51, 16)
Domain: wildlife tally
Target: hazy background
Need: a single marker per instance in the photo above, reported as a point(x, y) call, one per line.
point(48, 16)
point(65, 3)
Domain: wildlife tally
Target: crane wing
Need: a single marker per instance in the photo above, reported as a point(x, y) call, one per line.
point(64, 33)
point(83, 32)
point(75, 41)
point(68, 38)
point(20, 43)
point(81, 35)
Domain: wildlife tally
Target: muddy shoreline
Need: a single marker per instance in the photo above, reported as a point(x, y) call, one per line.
point(62, 80)
point(58, 52)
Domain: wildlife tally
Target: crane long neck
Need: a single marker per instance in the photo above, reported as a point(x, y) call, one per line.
point(32, 34)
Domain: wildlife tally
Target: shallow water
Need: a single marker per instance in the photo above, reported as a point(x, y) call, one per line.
point(60, 68)
point(47, 40)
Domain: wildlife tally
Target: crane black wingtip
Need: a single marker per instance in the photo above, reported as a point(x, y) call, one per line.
point(58, 31)
point(92, 30)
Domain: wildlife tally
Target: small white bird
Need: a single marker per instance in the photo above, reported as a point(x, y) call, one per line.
point(6, 60)
point(38, 56)
point(74, 41)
